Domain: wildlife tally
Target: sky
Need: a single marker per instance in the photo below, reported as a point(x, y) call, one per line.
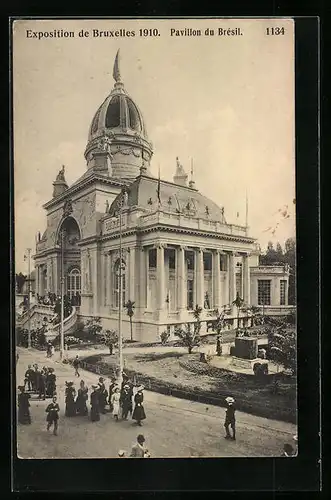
point(224, 102)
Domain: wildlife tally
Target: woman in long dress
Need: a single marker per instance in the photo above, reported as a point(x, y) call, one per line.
point(23, 406)
point(70, 394)
point(82, 397)
point(115, 401)
point(95, 414)
point(139, 412)
point(50, 383)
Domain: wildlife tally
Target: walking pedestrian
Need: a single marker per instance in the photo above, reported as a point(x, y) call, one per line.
point(23, 406)
point(218, 346)
point(52, 418)
point(139, 412)
point(102, 395)
point(110, 393)
point(70, 393)
point(76, 364)
point(94, 400)
point(82, 397)
point(138, 449)
point(35, 378)
point(29, 377)
point(126, 401)
point(230, 418)
point(115, 400)
point(42, 383)
point(50, 383)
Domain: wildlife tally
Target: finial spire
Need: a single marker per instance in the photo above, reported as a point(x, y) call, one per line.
point(116, 70)
point(192, 183)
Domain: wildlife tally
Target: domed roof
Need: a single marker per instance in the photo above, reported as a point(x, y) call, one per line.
point(118, 130)
point(118, 112)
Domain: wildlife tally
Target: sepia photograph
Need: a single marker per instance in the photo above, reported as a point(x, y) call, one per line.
point(155, 238)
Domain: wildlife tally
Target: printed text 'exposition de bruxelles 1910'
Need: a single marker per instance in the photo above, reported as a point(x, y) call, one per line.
point(122, 33)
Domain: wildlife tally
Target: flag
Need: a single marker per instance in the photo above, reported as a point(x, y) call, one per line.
point(237, 214)
point(159, 188)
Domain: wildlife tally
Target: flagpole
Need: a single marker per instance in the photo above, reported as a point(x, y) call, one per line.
point(29, 303)
point(246, 214)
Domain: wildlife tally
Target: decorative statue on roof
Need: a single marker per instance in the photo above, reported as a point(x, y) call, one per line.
point(104, 144)
point(125, 198)
point(180, 170)
point(60, 175)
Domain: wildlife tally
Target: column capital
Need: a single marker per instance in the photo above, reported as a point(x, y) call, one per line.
point(160, 245)
point(201, 249)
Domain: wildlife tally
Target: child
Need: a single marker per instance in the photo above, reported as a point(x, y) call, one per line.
point(52, 411)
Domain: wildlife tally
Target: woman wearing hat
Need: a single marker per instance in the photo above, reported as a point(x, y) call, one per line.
point(126, 401)
point(102, 395)
point(94, 400)
point(82, 397)
point(50, 383)
point(115, 401)
point(23, 406)
point(70, 393)
point(230, 419)
point(139, 412)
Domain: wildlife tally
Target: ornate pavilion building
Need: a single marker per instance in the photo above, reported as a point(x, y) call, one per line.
point(178, 251)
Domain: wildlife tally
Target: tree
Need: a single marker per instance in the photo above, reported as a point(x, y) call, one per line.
point(20, 279)
point(93, 326)
point(290, 259)
point(238, 302)
point(283, 348)
point(130, 312)
point(188, 336)
point(110, 339)
point(219, 327)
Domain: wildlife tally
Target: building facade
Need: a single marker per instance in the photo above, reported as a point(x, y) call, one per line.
point(170, 246)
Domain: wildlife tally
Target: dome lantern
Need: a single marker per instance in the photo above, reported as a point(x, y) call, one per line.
point(120, 119)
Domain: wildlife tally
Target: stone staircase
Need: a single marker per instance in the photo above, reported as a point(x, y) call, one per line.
point(38, 313)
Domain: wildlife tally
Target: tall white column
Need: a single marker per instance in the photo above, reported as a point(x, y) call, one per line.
point(232, 278)
point(246, 280)
point(200, 278)
point(181, 278)
point(216, 280)
point(142, 296)
point(132, 274)
point(94, 279)
point(160, 277)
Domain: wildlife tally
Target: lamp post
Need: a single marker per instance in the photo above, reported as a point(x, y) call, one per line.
point(120, 298)
point(29, 298)
point(62, 298)
point(120, 303)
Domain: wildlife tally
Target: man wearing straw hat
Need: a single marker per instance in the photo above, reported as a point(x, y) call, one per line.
point(230, 419)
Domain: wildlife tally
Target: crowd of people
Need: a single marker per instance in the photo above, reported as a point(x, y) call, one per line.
point(50, 299)
point(40, 382)
point(119, 399)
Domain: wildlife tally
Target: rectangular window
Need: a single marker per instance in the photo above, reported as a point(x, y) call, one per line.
point(263, 292)
point(190, 260)
point(207, 261)
point(172, 258)
point(190, 298)
point(283, 292)
point(152, 258)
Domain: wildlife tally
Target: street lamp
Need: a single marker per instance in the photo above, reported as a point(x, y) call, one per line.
point(62, 297)
point(120, 299)
point(29, 299)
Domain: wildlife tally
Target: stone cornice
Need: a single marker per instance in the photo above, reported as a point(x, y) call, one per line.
point(93, 178)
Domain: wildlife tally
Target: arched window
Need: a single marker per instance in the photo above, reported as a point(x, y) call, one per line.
point(74, 282)
point(117, 283)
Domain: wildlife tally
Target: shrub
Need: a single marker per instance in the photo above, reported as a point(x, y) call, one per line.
point(164, 337)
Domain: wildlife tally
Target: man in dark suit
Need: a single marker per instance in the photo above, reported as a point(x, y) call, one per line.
point(230, 418)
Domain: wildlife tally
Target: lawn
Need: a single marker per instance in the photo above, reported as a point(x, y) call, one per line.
point(184, 372)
